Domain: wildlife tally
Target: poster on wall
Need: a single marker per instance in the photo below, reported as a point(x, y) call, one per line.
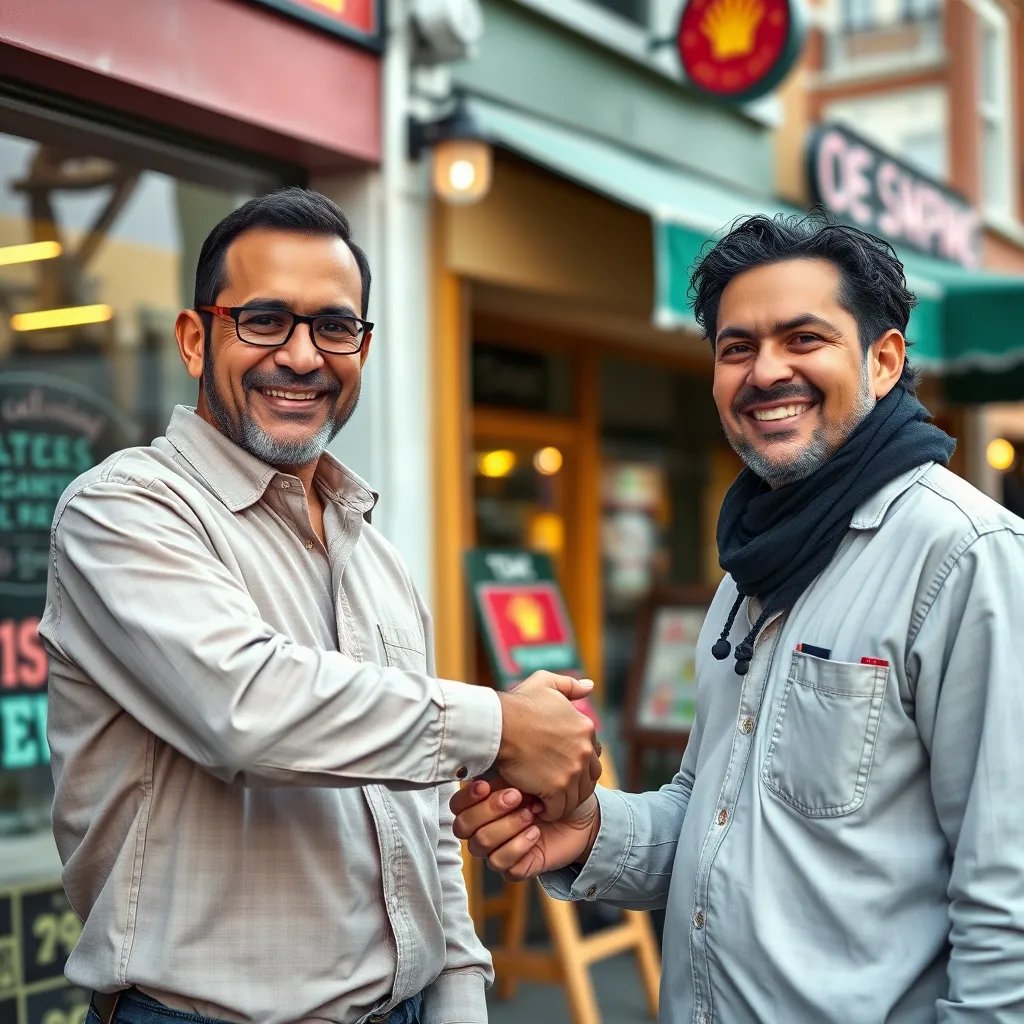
point(51, 430)
point(668, 683)
point(661, 694)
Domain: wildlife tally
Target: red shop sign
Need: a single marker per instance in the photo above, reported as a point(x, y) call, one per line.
point(357, 20)
point(739, 49)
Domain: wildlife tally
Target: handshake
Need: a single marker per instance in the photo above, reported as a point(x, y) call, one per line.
point(536, 810)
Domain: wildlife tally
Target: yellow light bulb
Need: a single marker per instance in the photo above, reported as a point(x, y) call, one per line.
point(547, 461)
point(1000, 454)
point(497, 463)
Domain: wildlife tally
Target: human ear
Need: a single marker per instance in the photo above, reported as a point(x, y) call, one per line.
point(886, 358)
point(365, 350)
point(191, 335)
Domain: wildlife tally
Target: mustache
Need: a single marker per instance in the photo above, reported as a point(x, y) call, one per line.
point(285, 378)
point(750, 395)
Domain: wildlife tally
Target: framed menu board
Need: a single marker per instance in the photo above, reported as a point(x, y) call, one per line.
point(661, 693)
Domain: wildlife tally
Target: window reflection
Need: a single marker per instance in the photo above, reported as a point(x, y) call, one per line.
point(97, 255)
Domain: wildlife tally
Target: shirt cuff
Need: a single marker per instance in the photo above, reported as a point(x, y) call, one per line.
point(472, 730)
point(607, 857)
point(455, 998)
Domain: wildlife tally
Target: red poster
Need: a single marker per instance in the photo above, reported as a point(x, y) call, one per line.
point(517, 617)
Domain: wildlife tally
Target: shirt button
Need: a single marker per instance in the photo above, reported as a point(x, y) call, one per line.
point(698, 918)
point(285, 484)
point(723, 816)
point(309, 545)
point(461, 772)
point(591, 892)
point(746, 725)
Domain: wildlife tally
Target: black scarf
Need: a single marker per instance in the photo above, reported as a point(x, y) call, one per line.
point(775, 542)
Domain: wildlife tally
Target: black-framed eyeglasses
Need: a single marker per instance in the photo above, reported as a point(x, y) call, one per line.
point(332, 333)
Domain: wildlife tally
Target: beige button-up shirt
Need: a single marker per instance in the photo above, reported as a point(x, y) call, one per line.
point(252, 757)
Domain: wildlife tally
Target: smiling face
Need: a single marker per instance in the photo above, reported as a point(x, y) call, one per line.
point(282, 404)
point(791, 378)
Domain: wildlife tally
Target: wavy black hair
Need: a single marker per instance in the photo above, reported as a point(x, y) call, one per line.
point(873, 286)
point(287, 209)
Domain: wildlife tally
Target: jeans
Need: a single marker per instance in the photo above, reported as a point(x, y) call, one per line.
point(135, 1008)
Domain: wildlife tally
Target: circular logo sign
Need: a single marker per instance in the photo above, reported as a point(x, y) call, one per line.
point(739, 49)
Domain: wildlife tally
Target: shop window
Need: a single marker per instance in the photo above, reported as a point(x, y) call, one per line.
point(528, 380)
point(99, 235)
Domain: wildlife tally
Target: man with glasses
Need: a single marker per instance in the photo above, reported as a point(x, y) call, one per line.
point(252, 755)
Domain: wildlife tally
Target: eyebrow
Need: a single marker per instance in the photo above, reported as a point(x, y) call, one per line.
point(779, 327)
point(271, 303)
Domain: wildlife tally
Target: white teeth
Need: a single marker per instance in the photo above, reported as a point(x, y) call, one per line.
point(295, 396)
point(781, 412)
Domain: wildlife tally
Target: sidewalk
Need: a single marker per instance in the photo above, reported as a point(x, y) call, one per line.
point(619, 996)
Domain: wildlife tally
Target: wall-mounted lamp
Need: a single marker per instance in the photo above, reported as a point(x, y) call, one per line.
point(461, 156)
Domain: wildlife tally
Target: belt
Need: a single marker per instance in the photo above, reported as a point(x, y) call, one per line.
point(105, 1004)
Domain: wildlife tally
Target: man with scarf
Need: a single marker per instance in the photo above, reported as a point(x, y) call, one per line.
point(844, 840)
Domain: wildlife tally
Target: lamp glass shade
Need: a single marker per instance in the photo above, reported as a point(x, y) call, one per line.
point(462, 170)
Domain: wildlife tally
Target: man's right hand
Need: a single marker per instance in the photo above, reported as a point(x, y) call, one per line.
point(548, 748)
point(501, 826)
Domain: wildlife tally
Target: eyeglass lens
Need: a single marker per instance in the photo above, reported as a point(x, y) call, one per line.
point(270, 327)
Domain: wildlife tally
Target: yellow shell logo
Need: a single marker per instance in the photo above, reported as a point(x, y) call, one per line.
point(730, 26)
point(528, 616)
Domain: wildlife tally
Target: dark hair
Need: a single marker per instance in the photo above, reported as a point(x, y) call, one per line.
point(287, 209)
point(873, 287)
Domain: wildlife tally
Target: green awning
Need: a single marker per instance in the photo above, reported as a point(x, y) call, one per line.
point(969, 323)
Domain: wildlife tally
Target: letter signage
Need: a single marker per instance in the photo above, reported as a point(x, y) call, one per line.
point(870, 189)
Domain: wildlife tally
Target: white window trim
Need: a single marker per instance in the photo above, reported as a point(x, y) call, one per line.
point(633, 40)
point(999, 113)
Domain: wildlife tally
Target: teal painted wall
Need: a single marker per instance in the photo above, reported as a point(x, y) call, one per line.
point(534, 63)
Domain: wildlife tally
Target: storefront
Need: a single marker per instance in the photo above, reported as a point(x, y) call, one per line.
point(574, 409)
point(126, 131)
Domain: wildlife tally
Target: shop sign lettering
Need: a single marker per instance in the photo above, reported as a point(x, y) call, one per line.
point(866, 187)
point(51, 431)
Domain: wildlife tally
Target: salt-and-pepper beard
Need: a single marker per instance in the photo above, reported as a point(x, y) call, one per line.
point(818, 451)
point(247, 434)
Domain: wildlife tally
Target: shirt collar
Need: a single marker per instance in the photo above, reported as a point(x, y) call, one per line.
point(871, 512)
point(240, 479)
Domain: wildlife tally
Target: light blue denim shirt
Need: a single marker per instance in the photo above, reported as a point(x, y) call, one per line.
point(844, 842)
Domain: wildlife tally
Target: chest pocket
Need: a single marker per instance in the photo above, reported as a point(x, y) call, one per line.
point(823, 743)
point(403, 648)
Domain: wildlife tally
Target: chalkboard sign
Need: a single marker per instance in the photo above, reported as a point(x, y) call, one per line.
point(38, 930)
point(51, 430)
point(661, 694)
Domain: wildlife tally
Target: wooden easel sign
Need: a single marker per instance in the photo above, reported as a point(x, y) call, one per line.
point(522, 616)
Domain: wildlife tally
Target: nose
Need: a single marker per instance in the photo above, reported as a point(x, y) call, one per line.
point(300, 355)
point(769, 367)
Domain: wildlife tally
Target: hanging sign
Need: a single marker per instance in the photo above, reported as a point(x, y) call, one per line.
point(738, 50)
point(357, 20)
point(872, 190)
